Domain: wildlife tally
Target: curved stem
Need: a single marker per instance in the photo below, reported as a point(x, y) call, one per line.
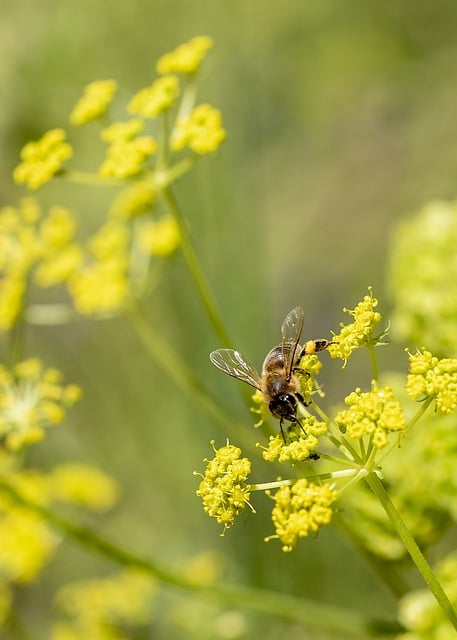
point(411, 546)
point(298, 610)
point(195, 269)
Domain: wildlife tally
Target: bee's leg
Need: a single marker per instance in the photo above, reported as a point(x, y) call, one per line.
point(282, 431)
point(301, 426)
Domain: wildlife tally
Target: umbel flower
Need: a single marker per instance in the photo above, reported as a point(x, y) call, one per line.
point(42, 159)
point(31, 399)
point(431, 377)
point(300, 509)
point(223, 488)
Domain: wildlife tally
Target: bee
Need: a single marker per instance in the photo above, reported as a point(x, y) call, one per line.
point(279, 383)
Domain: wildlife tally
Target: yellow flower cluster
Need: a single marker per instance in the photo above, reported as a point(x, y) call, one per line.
point(301, 444)
point(94, 103)
point(160, 237)
point(186, 58)
point(101, 285)
point(374, 413)
point(127, 151)
point(135, 200)
point(360, 332)
point(42, 159)
point(33, 242)
point(223, 488)
point(31, 399)
point(300, 509)
point(84, 486)
point(103, 608)
point(160, 96)
point(201, 131)
point(430, 377)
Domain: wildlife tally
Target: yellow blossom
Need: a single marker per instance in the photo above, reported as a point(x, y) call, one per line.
point(94, 103)
point(223, 488)
point(186, 58)
point(301, 444)
point(160, 237)
point(12, 290)
point(27, 544)
point(360, 332)
point(134, 200)
point(151, 101)
point(300, 509)
point(42, 159)
point(100, 287)
point(374, 413)
point(434, 378)
point(127, 158)
point(29, 402)
point(106, 605)
point(122, 131)
point(201, 131)
point(84, 486)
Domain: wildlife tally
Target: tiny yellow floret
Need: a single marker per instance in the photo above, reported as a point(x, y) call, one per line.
point(42, 159)
point(201, 131)
point(161, 237)
point(186, 58)
point(94, 102)
point(160, 96)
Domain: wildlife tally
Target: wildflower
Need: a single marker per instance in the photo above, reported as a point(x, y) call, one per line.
point(27, 543)
point(151, 101)
point(12, 291)
point(42, 159)
point(31, 399)
point(433, 378)
point(101, 608)
point(223, 488)
point(360, 332)
point(374, 413)
point(119, 132)
point(127, 158)
point(160, 237)
point(94, 103)
point(186, 58)
point(135, 200)
point(302, 442)
point(260, 407)
point(201, 131)
point(301, 508)
point(84, 486)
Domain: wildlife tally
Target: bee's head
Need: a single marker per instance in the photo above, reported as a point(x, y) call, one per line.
point(284, 407)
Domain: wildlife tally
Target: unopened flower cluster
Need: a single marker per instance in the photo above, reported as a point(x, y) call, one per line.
point(431, 377)
point(223, 489)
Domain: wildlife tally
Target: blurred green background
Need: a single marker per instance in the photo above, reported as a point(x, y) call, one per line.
point(341, 121)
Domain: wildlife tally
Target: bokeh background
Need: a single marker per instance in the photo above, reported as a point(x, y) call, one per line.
point(341, 121)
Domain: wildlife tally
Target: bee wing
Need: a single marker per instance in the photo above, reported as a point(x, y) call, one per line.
point(233, 363)
point(291, 330)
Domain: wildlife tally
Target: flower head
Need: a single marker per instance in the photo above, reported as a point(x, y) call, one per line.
point(101, 285)
point(186, 58)
point(134, 200)
point(85, 486)
point(375, 413)
point(360, 332)
point(160, 96)
point(31, 399)
point(301, 444)
point(160, 237)
point(94, 103)
point(433, 378)
point(223, 488)
point(201, 131)
point(42, 159)
point(300, 509)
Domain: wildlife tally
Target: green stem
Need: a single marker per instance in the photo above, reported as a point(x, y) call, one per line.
point(195, 269)
point(297, 610)
point(374, 362)
point(411, 546)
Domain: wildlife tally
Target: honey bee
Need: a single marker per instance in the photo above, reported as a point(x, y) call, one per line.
point(279, 383)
